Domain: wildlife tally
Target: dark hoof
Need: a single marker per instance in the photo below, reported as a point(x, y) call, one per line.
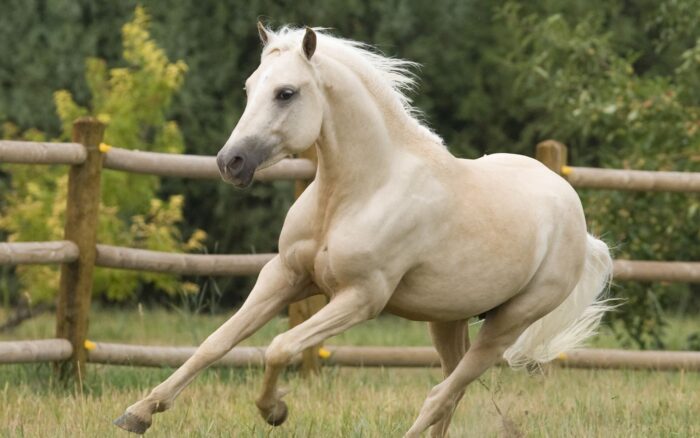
point(278, 414)
point(132, 423)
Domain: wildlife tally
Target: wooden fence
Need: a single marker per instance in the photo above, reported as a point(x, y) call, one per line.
point(79, 253)
point(554, 155)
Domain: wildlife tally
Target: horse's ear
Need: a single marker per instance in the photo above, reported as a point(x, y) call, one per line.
point(263, 33)
point(309, 43)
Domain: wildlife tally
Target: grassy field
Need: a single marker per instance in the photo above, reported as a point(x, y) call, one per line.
point(342, 402)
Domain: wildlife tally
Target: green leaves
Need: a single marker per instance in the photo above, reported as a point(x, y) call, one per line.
point(133, 101)
point(588, 94)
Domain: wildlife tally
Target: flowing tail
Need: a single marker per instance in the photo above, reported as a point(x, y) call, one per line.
point(573, 321)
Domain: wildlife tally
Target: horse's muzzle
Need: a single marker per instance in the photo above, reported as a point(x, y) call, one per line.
point(237, 164)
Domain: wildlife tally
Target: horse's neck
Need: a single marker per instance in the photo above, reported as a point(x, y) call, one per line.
point(354, 151)
point(363, 142)
point(356, 147)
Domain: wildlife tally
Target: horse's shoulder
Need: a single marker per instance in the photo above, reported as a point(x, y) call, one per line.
point(298, 224)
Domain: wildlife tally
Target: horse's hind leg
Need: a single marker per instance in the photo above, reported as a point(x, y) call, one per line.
point(502, 327)
point(451, 340)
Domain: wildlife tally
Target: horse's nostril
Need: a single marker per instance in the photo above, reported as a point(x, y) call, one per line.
point(236, 163)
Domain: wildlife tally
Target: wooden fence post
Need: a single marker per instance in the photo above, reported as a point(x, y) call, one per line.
point(552, 154)
point(82, 209)
point(302, 310)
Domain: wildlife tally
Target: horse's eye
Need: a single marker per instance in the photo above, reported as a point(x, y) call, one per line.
point(285, 94)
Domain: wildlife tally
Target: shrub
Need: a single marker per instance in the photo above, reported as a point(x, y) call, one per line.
point(132, 101)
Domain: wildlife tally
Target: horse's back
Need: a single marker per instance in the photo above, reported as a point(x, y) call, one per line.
point(503, 159)
point(525, 189)
point(512, 167)
point(522, 176)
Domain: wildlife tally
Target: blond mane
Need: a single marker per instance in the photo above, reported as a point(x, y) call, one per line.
point(389, 79)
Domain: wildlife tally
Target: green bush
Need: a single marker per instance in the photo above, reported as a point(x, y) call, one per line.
point(132, 101)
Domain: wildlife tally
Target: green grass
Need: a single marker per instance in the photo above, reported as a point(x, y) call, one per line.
point(341, 401)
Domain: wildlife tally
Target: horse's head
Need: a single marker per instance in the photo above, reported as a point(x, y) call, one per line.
point(283, 113)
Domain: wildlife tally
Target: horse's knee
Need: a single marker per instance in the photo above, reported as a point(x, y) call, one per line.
point(278, 353)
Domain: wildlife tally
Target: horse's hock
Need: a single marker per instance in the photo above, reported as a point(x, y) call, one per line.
point(79, 252)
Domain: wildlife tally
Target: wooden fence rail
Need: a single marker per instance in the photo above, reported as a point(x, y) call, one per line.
point(629, 359)
point(31, 253)
point(151, 163)
point(639, 180)
point(198, 166)
point(583, 358)
point(157, 356)
point(370, 356)
point(250, 264)
point(641, 270)
point(160, 164)
point(185, 264)
point(31, 152)
point(47, 350)
point(43, 350)
point(553, 154)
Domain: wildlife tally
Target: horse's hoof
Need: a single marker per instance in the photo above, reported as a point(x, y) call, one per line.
point(278, 414)
point(132, 423)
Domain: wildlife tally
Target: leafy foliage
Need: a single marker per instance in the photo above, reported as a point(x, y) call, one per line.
point(132, 100)
point(593, 97)
point(616, 81)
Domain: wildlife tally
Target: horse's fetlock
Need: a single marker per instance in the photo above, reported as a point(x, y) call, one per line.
point(162, 406)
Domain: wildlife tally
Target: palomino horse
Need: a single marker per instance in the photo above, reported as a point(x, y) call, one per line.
point(395, 222)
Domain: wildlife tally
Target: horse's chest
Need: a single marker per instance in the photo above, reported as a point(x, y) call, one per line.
point(313, 259)
point(321, 270)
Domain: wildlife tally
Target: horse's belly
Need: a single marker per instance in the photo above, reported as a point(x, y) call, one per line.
point(461, 294)
point(419, 308)
point(461, 278)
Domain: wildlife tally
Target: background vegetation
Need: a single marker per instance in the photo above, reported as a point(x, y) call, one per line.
point(131, 101)
point(616, 81)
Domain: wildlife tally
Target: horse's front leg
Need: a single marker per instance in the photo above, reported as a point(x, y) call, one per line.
point(345, 309)
point(275, 288)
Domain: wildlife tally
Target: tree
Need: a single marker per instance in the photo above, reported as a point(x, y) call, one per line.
point(132, 101)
